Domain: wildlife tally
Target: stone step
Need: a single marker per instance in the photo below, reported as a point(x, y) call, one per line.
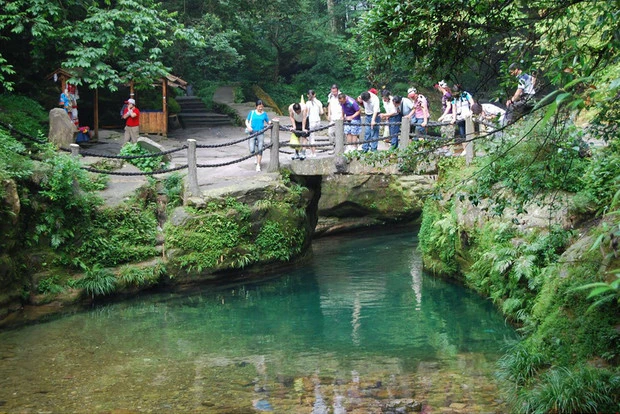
point(188, 99)
point(203, 115)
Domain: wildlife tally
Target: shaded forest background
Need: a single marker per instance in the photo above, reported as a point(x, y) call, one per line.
point(289, 47)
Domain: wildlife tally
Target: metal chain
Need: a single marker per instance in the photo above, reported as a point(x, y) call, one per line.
point(22, 134)
point(223, 164)
point(95, 170)
point(254, 135)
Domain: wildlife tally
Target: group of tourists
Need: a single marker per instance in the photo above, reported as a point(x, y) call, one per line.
point(456, 106)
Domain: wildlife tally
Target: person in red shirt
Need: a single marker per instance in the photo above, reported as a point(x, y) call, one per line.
point(131, 115)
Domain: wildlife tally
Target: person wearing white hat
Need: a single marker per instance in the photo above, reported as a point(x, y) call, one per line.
point(131, 115)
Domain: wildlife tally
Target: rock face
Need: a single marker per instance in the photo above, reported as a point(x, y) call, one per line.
point(62, 130)
point(552, 210)
point(262, 222)
point(353, 201)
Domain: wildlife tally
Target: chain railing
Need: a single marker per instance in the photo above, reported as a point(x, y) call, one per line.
point(275, 147)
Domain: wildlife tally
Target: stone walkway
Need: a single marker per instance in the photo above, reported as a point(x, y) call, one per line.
point(210, 180)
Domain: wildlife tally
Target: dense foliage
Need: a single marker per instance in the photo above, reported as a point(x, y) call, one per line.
point(542, 278)
point(568, 361)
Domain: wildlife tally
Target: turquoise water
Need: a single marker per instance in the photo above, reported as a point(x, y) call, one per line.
point(359, 328)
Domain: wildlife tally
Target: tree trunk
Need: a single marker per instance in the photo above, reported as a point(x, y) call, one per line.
point(333, 21)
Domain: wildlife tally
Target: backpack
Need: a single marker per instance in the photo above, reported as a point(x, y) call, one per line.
point(428, 104)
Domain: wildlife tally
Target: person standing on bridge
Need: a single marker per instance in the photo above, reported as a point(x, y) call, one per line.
point(299, 122)
point(371, 110)
point(315, 110)
point(334, 111)
point(352, 119)
point(392, 116)
point(132, 122)
point(419, 115)
point(255, 122)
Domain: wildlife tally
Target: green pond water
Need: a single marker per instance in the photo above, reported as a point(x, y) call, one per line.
point(359, 328)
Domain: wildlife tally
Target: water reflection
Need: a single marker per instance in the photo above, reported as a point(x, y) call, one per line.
point(348, 331)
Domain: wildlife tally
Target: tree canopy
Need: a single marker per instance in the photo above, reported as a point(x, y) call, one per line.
point(572, 44)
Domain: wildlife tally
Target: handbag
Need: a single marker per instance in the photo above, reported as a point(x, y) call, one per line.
point(247, 131)
point(294, 142)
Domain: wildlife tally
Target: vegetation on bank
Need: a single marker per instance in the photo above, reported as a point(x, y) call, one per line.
point(478, 229)
point(59, 239)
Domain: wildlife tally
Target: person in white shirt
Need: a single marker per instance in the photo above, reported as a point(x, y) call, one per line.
point(392, 116)
point(299, 122)
point(314, 107)
point(334, 111)
point(371, 110)
point(490, 114)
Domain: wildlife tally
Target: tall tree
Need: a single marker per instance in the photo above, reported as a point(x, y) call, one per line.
point(106, 43)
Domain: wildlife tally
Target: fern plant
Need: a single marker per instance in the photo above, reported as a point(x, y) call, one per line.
point(97, 282)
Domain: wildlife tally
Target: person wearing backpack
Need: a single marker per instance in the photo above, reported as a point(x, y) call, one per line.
point(420, 114)
point(462, 102)
point(522, 100)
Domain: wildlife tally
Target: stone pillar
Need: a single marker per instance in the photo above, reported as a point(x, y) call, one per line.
point(192, 170)
point(339, 144)
point(75, 150)
point(405, 130)
point(274, 154)
point(469, 139)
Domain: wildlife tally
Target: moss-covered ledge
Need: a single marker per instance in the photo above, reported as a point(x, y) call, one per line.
point(531, 263)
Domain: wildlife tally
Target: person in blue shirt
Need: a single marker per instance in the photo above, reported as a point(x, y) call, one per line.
point(256, 121)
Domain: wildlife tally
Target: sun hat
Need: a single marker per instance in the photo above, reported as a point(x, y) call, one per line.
point(131, 101)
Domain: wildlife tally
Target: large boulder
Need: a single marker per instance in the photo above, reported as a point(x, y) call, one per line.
point(62, 130)
point(153, 147)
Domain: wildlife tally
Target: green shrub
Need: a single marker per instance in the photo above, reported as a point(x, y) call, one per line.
point(50, 285)
point(276, 241)
point(64, 207)
point(97, 281)
point(601, 179)
point(147, 164)
point(14, 163)
point(117, 235)
point(173, 189)
point(140, 276)
point(438, 238)
point(520, 365)
point(24, 114)
point(578, 389)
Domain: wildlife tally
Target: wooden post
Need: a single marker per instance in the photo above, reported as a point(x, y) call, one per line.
point(75, 150)
point(405, 129)
point(164, 92)
point(469, 143)
point(96, 115)
point(339, 144)
point(192, 173)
